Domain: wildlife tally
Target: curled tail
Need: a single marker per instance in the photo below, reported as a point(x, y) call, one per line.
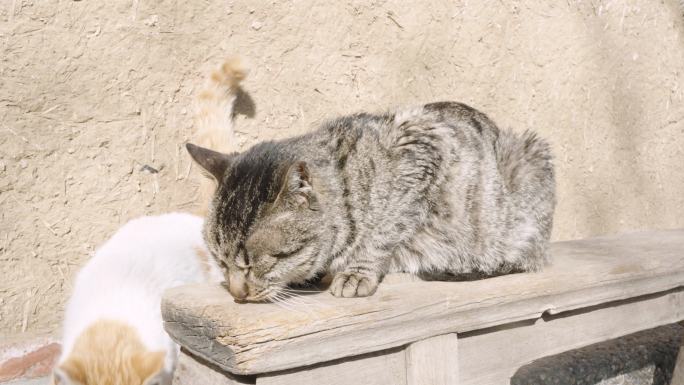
point(526, 166)
point(214, 106)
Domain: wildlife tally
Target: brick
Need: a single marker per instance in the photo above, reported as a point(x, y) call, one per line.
point(36, 363)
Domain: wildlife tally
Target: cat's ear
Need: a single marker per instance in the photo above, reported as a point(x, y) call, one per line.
point(149, 366)
point(298, 188)
point(70, 372)
point(212, 162)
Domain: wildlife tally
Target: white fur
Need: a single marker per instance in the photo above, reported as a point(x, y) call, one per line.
point(125, 279)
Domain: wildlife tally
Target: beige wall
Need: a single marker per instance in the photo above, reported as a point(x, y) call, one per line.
point(90, 92)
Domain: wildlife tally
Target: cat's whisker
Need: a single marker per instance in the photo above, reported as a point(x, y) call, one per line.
point(300, 296)
point(281, 300)
point(288, 292)
point(279, 291)
point(307, 303)
point(291, 294)
point(284, 287)
point(304, 301)
point(296, 302)
point(301, 291)
point(281, 305)
point(278, 302)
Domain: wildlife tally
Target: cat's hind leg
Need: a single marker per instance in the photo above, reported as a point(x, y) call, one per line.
point(525, 162)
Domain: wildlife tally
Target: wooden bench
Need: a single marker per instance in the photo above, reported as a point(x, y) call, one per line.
point(417, 332)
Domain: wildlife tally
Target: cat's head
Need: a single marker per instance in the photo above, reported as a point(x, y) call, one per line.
point(265, 221)
point(111, 353)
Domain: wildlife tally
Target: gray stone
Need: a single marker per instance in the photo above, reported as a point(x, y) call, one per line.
point(644, 358)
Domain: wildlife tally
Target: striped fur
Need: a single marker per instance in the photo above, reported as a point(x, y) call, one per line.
point(436, 190)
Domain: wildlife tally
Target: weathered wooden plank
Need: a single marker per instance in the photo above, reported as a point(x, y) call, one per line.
point(433, 361)
point(254, 338)
point(517, 345)
point(383, 368)
point(190, 371)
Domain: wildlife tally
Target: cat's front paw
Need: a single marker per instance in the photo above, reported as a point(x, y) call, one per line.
point(353, 285)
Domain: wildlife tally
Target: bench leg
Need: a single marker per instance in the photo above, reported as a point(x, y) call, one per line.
point(190, 371)
point(678, 374)
point(433, 361)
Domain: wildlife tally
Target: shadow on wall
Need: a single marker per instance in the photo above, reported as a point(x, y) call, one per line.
point(244, 104)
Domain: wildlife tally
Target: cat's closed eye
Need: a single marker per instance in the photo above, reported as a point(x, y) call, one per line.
point(283, 254)
point(289, 252)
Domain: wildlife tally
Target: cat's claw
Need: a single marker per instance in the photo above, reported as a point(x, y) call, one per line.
point(353, 285)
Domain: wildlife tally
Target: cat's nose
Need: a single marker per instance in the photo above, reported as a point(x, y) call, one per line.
point(238, 287)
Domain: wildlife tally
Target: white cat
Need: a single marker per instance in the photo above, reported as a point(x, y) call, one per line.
point(113, 325)
point(113, 329)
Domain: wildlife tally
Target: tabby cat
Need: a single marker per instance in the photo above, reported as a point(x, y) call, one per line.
point(432, 190)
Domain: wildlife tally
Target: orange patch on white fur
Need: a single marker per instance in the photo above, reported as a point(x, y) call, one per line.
point(232, 71)
point(111, 353)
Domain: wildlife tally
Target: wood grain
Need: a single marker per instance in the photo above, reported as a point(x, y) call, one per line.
point(433, 361)
point(257, 338)
point(492, 357)
point(190, 371)
point(382, 368)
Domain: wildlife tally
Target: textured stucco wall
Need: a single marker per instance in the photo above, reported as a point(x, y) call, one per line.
point(90, 91)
